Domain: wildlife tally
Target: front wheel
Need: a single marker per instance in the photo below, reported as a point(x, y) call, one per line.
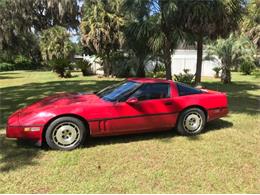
point(191, 121)
point(66, 133)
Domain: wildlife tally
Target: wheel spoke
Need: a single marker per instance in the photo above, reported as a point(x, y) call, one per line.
point(192, 122)
point(66, 134)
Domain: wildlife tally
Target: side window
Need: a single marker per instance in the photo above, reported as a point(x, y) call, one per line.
point(187, 90)
point(152, 91)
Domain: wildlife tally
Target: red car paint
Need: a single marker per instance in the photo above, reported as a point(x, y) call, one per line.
point(113, 118)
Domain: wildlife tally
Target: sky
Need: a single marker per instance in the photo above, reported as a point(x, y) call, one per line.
point(74, 37)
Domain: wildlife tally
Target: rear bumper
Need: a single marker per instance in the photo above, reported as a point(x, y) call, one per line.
point(216, 113)
point(22, 132)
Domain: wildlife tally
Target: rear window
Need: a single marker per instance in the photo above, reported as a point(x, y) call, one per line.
point(187, 90)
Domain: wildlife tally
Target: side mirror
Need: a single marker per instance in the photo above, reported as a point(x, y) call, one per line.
point(132, 100)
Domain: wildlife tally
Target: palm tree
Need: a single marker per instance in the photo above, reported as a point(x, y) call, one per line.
point(138, 31)
point(231, 52)
point(165, 31)
point(101, 29)
point(251, 23)
point(208, 20)
point(56, 48)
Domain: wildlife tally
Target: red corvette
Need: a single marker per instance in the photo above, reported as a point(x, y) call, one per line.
point(133, 106)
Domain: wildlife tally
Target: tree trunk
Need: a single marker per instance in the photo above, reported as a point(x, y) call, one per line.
point(199, 59)
point(226, 75)
point(110, 69)
point(141, 68)
point(168, 61)
point(106, 66)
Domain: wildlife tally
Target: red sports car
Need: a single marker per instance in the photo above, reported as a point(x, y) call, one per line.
point(132, 106)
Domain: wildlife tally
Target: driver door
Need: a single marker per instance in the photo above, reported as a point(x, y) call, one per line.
point(153, 110)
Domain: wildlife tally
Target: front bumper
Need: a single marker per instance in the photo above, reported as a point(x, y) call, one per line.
point(22, 132)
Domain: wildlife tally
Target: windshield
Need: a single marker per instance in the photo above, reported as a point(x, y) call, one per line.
point(118, 91)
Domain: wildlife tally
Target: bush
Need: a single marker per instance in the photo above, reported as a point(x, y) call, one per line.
point(61, 67)
point(159, 67)
point(84, 66)
point(19, 62)
point(159, 74)
point(23, 63)
point(158, 71)
point(123, 70)
point(216, 70)
point(185, 77)
point(67, 74)
point(247, 67)
point(4, 66)
point(123, 66)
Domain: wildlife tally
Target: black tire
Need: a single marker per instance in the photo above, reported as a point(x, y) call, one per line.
point(66, 133)
point(186, 124)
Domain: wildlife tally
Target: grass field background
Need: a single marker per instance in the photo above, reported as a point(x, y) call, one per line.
point(224, 159)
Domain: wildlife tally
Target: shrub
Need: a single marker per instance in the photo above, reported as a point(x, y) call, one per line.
point(158, 71)
point(19, 62)
point(159, 67)
point(60, 66)
point(247, 67)
point(185, 77)
point(216, 70)
point(123, 70)
point(84, 66)
point(123, 65)
point(4, 66)
point(67, 74)
point(159, 74)
point(23, 63)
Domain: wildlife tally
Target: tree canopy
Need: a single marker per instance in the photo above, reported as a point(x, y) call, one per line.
point(127, 31)
point(56, 48)
point(21, 19)
point(101, 29)
point(251, 23)
point(209, 20)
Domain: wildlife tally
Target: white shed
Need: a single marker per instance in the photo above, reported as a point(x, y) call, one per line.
point(187, 59)
point(181, 59)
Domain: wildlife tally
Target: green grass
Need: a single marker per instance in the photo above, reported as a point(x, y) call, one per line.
point(224, 159)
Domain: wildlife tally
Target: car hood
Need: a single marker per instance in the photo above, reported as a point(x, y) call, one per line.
point(61, 100)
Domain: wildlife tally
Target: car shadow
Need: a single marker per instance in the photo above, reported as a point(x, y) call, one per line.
point(17, 154)
point(165, 136)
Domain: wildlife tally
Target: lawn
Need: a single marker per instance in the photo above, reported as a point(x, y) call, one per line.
point(224, 159)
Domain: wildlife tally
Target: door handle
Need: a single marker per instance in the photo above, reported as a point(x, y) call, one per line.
point(168, 103)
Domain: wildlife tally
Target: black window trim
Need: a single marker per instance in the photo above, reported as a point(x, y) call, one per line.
point(179, 84)
point(169, 92)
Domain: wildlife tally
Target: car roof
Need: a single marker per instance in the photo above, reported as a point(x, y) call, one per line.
point(149, 80)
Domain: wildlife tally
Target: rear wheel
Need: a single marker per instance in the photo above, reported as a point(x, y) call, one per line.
point(191, 121)
point(66, 133)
